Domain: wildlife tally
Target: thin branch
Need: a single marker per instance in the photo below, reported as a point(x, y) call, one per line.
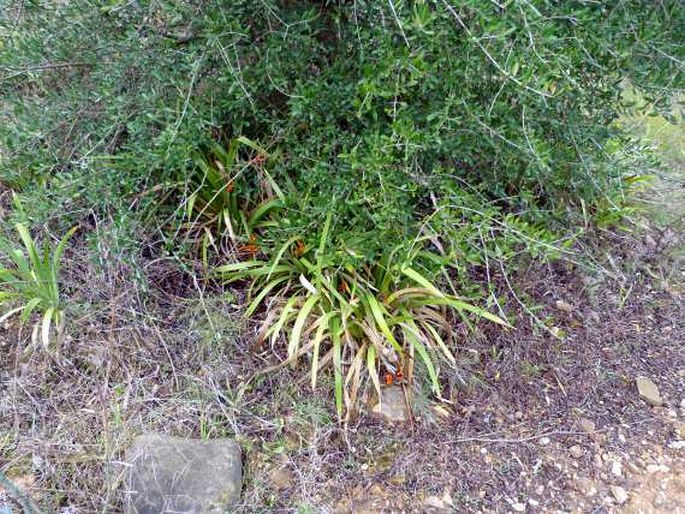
point(399, 23)
point(490, 57)
point(50, 66)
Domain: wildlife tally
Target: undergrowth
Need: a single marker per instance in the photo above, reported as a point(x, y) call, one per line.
point(30, 280)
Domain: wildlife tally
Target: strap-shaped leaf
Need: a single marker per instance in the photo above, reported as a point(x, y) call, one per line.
point(318, 338)
point(279, 255)
point(421, 280)
point(462, 306)
point(263, 293)
point(411, 334)
point(337, 365)
point(45, 331)
point(28, 308)
point(285, 313)
point(299, 324)
point(372, 366)
point(377, 313)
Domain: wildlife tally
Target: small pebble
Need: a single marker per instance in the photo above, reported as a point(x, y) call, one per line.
point(519, 507)
point(619, 494)
point(653, 468)
point(659, 499)
point(585, 486)
point(586, 425)
point(533, 503)
point(633, 468)
point(576, 451)
point(545, 441)
point(616, 469)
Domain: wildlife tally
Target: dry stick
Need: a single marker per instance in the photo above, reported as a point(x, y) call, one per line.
point(489, 277)
point(18, 19)
point(410, 380)
point(519, 440)
point(166, 350)
point(234, 73)
point(204, 304)
point(407, 403)
point(103, 392)
point(399, 23)
point(45, 67)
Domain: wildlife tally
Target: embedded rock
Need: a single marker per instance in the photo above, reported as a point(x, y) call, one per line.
point(173, 474)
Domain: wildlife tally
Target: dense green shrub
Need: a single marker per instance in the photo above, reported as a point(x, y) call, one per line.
point(377, 111)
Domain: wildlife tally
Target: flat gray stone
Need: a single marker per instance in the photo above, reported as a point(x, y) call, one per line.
point(177, 475)
point(393, 406)
point(648, 391)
